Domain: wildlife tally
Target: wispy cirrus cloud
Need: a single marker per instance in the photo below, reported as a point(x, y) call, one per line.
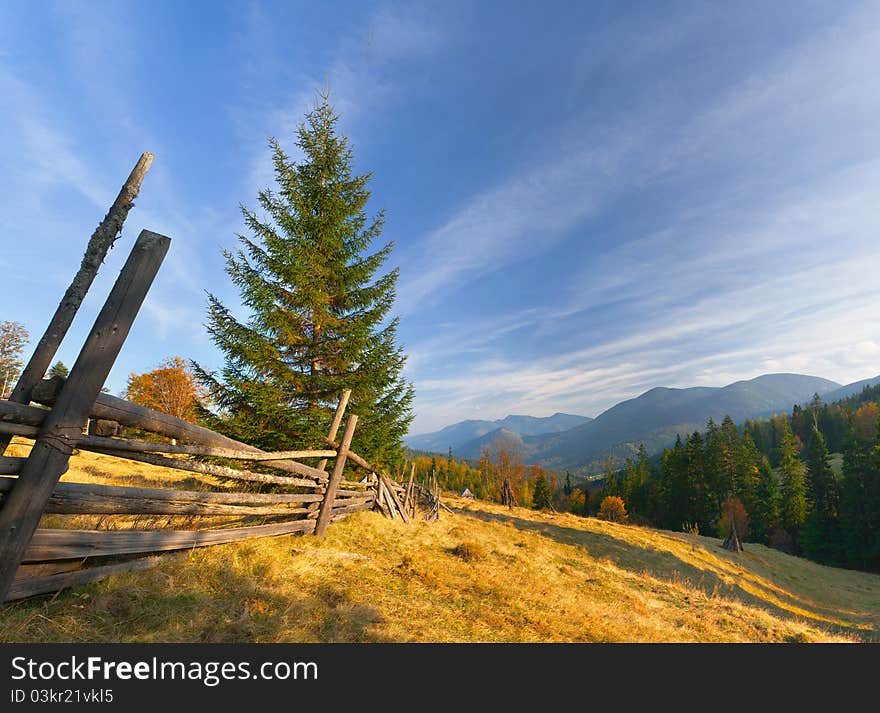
point(765, 267)
point(513, 221)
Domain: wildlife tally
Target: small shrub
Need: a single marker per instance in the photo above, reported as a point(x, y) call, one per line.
point(577, 502)
point(406, 567)
point(691, 528)
point(469, 551)
point(612, 509)
point(94, 471)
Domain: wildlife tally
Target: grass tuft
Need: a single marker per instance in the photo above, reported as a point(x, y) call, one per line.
point(469, 551)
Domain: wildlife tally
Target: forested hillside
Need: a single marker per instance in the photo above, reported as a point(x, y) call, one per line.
point(777, 475)
point(652, 419)
point(806, 483)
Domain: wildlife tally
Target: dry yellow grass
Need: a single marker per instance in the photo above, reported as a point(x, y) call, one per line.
point(485, 574)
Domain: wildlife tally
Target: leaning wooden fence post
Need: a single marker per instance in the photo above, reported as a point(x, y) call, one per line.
point(409, 487)
point(101, 241)
point(393, 501)
point(333, 484)
point(63, 426)
point(337, 420)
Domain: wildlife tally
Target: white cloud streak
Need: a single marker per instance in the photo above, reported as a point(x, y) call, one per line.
point(735, 285)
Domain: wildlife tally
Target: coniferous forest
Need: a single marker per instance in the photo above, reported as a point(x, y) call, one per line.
point(806, 483)
point(809, 482)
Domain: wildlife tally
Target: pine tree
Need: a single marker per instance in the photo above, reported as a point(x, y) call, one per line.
point(747, 472)
point(793, 488)
point(732, 460)
point(821, 537)
point(58, 369)
point(612, 480)
point(860, 501)
point(675, 488)
point(765, 515)
point(541, 496)
point(714, 472)
point(320, 317)
point(699, 506)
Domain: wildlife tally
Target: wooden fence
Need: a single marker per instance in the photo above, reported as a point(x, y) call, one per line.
point(306, 498)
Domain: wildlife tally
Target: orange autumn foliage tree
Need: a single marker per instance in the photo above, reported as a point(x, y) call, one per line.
point(866, 420)
point(612, 509)
point(733, 507)
point(171, 389)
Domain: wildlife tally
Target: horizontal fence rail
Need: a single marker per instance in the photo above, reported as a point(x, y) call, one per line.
point(56, 558)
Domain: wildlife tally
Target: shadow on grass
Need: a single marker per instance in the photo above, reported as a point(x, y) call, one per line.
point(139, 480)
point(193, 601)
point(665, 565)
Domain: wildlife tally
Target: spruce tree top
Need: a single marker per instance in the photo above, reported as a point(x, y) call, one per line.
point(319, 315)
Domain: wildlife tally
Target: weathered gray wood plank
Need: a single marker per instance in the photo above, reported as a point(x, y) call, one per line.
point(352, 508)
point(409, 486)
point(112, 408)
point(47, 568)
point(168, 495)
point(347, 502)
point(395, 502)
point(88, 499)
point(122, 444)
point(11, 466)
point(11, 412)
point(14, 429)
point(193, 466)
point(336, 422)
point(352, 493)
point(31, 586)
point(333, 484)
point(48, 545)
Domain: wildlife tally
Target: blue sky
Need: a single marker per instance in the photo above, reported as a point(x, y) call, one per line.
point(587, 199)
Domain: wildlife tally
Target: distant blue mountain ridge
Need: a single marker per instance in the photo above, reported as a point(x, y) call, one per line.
point(458, 433)
point(653, 418)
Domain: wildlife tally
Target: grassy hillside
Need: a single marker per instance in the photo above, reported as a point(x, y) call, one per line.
point(482, 574)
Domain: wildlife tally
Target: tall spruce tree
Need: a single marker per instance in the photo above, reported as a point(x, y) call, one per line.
point(541, 496)
point(59, 368)
point(320, 314)
point(821, 537)
point(793, 504)
point(714, 471)
point(676, 488)
point(765, 515)
point(860, 501)
point(700, 505)
point(747, 469)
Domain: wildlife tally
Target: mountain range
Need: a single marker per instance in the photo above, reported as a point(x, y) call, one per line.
point(653, 418)
point(465, 431)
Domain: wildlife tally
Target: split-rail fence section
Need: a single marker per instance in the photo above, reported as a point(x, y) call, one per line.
point(56, 412)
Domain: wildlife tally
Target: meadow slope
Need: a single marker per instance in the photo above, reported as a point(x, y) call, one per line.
point(483, 574)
